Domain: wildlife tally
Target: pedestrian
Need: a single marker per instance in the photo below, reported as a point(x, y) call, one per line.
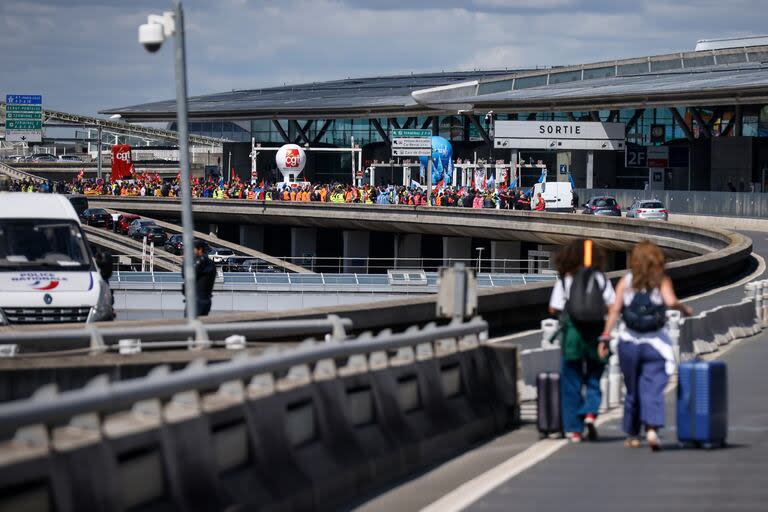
point(581, 297)
point(645, 349)
point(205, 277)
point(540, 204)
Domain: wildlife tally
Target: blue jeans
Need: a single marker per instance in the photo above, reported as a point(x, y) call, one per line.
point(576, 375)
point(645, 378)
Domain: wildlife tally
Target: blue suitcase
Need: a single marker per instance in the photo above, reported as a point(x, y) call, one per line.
point(702, 403)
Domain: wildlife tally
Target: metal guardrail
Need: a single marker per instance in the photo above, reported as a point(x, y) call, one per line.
point(17, 174)
point(108, 398)
point(192, 334)
point(723, 204)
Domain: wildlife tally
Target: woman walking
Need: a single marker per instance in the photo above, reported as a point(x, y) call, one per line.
point(645, 349)
point(581, 286)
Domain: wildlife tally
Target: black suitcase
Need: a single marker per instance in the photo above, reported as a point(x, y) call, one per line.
point(549, 419)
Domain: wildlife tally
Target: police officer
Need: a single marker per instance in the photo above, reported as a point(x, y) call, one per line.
point(205, 277)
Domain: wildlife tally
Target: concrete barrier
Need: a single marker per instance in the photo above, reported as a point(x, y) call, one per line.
point(307, 429)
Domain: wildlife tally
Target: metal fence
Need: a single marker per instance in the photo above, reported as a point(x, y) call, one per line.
point(722, 204)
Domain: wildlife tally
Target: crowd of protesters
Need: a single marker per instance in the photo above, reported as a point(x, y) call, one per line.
point(154, 186)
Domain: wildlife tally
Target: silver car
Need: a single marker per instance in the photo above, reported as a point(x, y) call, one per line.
point(135, 226)
point(650, 209)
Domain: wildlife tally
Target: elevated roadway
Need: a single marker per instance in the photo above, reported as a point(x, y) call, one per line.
point(119, 244)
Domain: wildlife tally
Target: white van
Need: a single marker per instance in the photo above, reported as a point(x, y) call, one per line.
point(47, 271)
point(557, 195)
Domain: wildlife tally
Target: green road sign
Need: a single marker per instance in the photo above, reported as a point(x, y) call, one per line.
point(23, 115)
point(23, 124)
point(411, 133)
point(23, 108)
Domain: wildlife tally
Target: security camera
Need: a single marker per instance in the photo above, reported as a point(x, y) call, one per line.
point(151, 36)
point(155, 30)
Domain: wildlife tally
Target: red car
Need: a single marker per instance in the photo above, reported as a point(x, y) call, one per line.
point(124, 220)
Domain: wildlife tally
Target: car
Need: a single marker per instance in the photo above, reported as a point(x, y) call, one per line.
point(44, 158)
point(175, 244)
point(124, 221)
point(137, 224)
point(154, 234)
point(96, 217)
point(243, 264)
point(219, 254)
point(70, 158)
point(602, 205)
point(648, 209)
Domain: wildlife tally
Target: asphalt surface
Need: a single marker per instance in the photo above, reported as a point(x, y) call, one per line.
point(606, 476)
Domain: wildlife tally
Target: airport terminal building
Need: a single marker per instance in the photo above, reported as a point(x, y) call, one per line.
point(709, 107)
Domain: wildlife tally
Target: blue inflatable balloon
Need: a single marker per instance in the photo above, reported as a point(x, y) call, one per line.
point(442, 161)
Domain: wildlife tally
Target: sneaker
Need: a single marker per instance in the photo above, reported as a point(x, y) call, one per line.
point(589, 421)
point(653, 440)
point(574, 437)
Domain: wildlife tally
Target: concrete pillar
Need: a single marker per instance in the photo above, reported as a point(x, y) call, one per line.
point(407, 250)
point(303, 245)
point(563, 158)
point(356, 251)
point(252, 236)
point(505, 250)
point(457, 248)
point(213, 230)
point(590, 169)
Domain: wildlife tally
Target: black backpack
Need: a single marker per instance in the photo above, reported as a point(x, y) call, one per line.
point(642, 315)
point(585, 301)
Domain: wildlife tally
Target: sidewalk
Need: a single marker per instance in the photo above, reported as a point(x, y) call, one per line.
point(606, 476)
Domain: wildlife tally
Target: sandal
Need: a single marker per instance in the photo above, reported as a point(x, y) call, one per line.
point(632, 442)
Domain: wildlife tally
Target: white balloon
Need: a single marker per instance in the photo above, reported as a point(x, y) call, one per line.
point(291, 158)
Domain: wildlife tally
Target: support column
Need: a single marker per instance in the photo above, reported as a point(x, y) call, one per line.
point(590, 169)
point(213, 230)
point(502, 250)
point(252, 236)
point(407, 250)
point(356, 251)
point(563, 158)
point(457, 248)
point(303, 246)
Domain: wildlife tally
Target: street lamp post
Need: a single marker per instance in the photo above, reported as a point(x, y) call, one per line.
point(152, 35)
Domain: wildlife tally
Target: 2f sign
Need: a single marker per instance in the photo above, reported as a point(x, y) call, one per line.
point(637, 157)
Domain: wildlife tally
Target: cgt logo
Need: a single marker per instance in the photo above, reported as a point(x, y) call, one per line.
point(45, 285)
point(125, 156)
point(292, 158)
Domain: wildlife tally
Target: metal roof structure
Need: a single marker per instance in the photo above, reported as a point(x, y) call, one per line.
point(352, 97)
point(711, 77)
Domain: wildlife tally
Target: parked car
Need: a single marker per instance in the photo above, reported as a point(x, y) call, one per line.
point(137, 224)
point(243, 264)
point(175, 244)
point(648, 209)
point(124, 222)
point(602, 205)
point(154, 234)
point(96, 217)
point(70, 158)
point(44, 158)
point(219, 254)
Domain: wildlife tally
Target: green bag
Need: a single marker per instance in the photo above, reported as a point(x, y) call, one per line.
point(573, 343)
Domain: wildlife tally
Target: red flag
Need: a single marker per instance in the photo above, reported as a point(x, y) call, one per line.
point(122, 162)
point(261, 185)
point(439, 186)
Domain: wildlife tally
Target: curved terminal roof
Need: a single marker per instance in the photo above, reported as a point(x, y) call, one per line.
point(710, 77)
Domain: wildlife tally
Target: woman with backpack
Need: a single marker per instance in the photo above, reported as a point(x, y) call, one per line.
point(581, 296)
point(645, 349)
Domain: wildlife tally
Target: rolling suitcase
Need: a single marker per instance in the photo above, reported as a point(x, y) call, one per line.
point(702, 403)
point(549, 418)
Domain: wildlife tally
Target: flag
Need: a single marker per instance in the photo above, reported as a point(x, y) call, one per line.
point(491, 182)
point(221, 181)
point(261, 185)
point(415, 184)
point(439, 186)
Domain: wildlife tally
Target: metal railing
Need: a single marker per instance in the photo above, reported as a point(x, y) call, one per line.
point(182, 335)
point(414, 344)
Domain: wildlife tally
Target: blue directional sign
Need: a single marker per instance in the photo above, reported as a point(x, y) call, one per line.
point(24, 118)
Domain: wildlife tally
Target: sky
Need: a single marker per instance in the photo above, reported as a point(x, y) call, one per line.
point(83, 55)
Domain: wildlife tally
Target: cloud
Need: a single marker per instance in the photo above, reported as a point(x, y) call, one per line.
point(83, 54)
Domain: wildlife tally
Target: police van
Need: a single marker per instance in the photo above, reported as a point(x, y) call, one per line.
point(47, 271)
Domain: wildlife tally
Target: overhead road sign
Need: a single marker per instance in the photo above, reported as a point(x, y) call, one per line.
point(24, 118)
point(411, 133)
point(412, 142)
point(555, 135)
point(411, 151)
